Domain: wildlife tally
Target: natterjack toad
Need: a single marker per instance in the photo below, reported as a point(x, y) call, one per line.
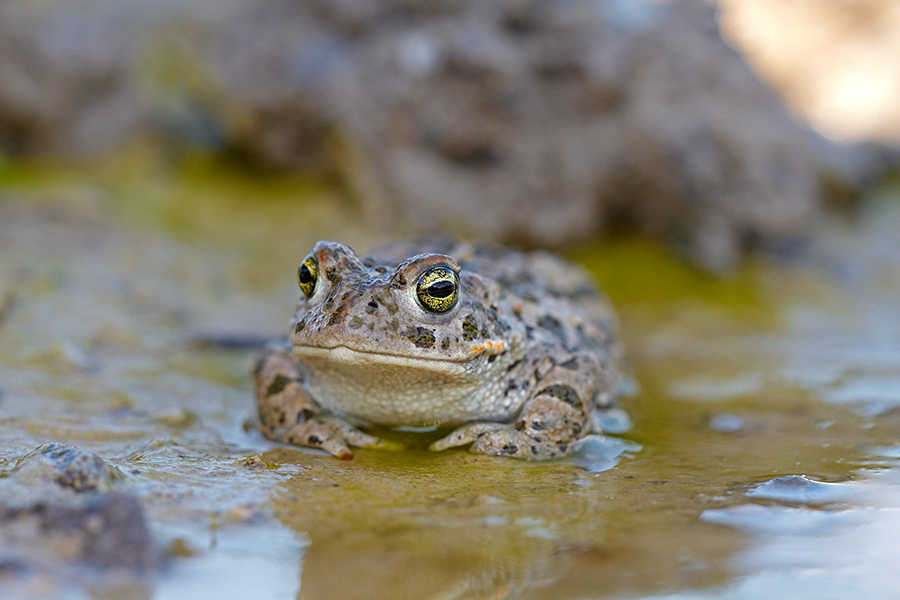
point(516, 350)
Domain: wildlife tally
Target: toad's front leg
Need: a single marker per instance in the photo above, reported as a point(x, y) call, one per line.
point(551, 419)
point(288, 414)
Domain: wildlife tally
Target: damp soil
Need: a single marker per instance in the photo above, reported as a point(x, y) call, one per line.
point(133, 295)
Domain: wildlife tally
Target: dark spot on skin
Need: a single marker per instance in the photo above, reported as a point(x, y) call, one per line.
point(392, 308)
point(587, 340)
point(420, 336)
point(445, 344)
point(277, 386)
point(513, 365)
point(470, 328)
point(331, 274)
point(492, 358)
point(552, 325)
point(484, 330)
point(529, 332)
point(355, 323)
point(509, 449)
point(563, 448)
point(282, 418)
point(336, 315)
point(314, 440)
point(566, 393)
point(300, 325)
point(394, 326)
point(371, 307)
point(304, 415)
point(537, 425)
point(534, 449)
point(512, 385)
point(571, 364)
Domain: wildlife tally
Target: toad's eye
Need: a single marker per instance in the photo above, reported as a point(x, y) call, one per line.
point(307, 275)
point(438, 289)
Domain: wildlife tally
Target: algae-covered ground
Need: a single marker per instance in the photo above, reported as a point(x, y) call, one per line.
point(762, 460)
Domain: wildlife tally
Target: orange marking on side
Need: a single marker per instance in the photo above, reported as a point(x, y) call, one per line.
point(489, 346)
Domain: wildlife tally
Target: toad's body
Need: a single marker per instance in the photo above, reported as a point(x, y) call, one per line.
point(515, 349)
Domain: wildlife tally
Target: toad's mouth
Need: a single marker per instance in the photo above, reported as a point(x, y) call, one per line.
point(340, 354)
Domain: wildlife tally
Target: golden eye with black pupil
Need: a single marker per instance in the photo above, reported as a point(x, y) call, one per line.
point(438, 289)
point(307, 275)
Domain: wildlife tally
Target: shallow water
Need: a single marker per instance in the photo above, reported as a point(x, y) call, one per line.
point(762, 460)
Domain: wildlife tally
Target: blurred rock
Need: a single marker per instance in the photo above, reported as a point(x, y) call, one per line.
point(108, 530)
point(102, 542)
point(67, 466)
point(66, 83)
point(58, 517)
point(528, 122)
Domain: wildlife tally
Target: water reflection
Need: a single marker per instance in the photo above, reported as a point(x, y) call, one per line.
point(454, 525)
point(242, 562)
point(801, 552)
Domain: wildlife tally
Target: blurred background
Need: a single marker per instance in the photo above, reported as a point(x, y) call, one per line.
point(534, 123)
point(726, 171)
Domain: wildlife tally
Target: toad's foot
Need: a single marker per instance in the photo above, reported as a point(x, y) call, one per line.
point(501, 440)
point(466, 435)
point(330, 434)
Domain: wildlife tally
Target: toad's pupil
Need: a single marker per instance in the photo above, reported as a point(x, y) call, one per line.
point(441, 289)
point(305, 275)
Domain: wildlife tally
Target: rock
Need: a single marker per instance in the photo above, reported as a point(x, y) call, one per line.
point(543, 123)
point(102, 530)
point(110, 528)
point(537, 123)
point(68, 466)
point(58, 516)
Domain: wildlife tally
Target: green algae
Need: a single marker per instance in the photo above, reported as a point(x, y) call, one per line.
point(634, 270)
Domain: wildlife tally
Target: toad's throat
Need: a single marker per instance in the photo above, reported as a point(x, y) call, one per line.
point(396, 390)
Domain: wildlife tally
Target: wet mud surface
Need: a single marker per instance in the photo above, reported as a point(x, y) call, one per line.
point(762, 459)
